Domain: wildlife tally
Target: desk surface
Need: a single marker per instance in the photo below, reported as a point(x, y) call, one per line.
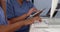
point(45, 27)
point(45, 30)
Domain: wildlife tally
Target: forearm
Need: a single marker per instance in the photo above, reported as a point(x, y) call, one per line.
point(12, 27)
point(16, 19)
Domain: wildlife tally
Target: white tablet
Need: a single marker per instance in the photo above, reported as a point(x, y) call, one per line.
point(37, 13)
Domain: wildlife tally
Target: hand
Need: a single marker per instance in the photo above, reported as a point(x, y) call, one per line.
point(31, 11)
point(37, 18)
point(30, 21)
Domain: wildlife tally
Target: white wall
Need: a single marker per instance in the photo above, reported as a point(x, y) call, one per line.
point(40, 4)
point(59, 1)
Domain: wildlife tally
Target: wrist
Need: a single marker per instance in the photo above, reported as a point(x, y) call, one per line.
point(27, 14)
point(25, 23)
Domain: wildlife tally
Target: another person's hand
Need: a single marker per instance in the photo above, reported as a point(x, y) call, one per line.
point(30, 21)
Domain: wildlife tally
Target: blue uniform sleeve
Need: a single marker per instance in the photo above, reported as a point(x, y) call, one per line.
point(2, 17)
point(10, 10)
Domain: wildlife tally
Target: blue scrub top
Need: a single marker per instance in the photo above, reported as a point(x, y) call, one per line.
point(2, 18)
point(14, 9)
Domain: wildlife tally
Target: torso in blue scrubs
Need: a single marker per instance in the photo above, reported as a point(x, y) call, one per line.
point(14, 9)
point(2, 17)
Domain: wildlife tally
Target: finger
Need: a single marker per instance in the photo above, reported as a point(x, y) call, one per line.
point(35, 10)
point(40, 19)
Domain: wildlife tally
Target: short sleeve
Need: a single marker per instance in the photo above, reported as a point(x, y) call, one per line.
point(2, 17)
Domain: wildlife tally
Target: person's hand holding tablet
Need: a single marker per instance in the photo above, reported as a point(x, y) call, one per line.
point(32, 20)
point(36, 12)
point(35, 16)
point(31, 11)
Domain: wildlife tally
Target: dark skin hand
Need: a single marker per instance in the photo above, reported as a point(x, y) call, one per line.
point(34, 18)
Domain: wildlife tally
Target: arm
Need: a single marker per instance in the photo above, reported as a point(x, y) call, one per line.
point(12, 27)
point(15, 26)
point(16, 19)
